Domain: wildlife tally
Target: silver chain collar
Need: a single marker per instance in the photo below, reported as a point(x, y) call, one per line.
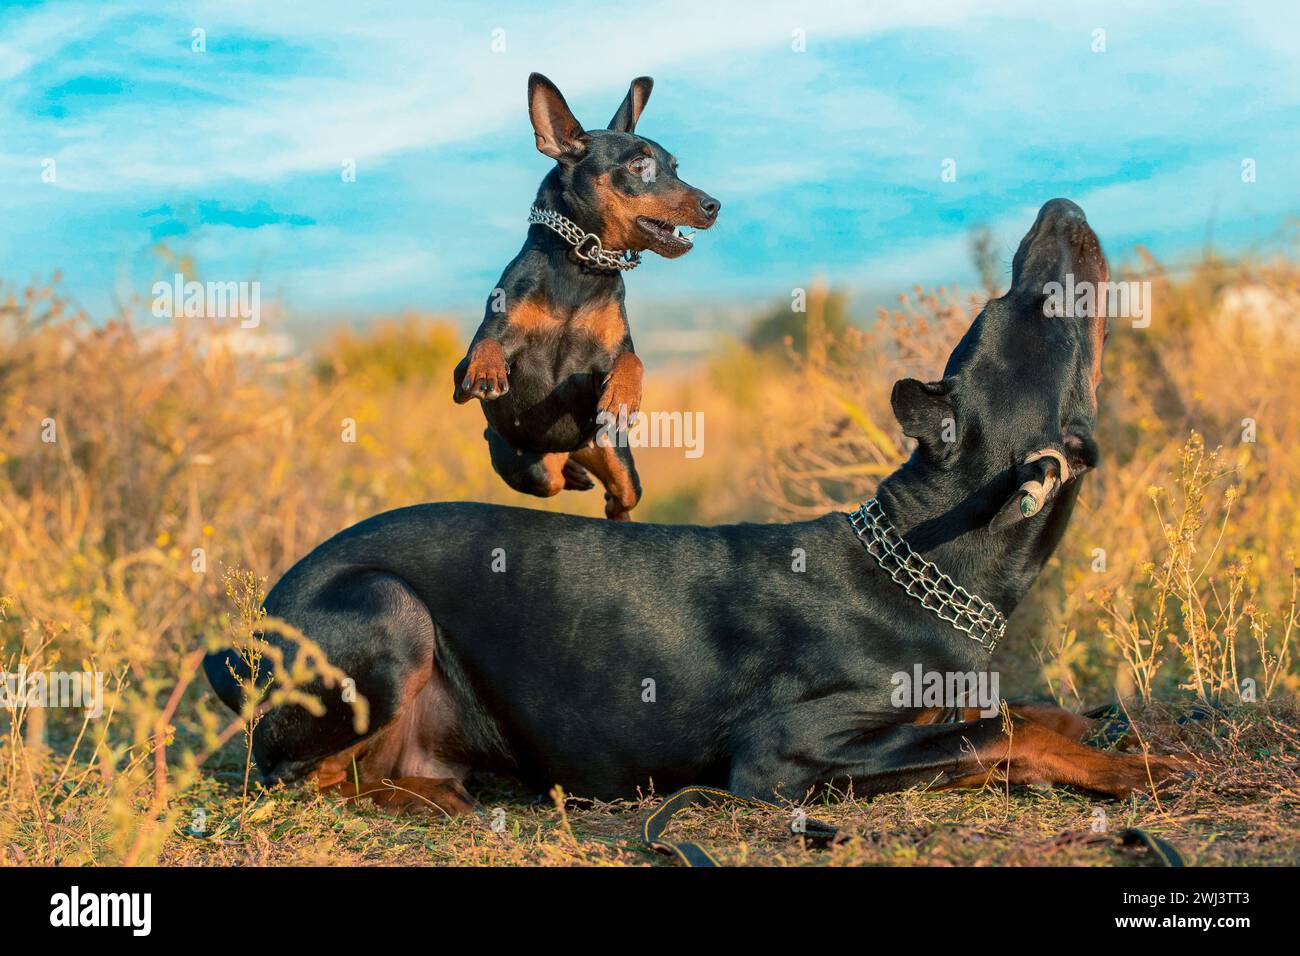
point(586, 245)
point(976, 618)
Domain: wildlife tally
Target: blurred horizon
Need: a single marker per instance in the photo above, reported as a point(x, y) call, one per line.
point(828, 161)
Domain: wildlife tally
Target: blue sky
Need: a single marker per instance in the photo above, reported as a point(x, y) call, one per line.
point(827, 161)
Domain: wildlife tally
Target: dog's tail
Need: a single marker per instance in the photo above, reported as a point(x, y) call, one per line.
point(221, 668)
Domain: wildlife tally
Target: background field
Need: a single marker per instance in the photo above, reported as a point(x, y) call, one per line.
point(1176, 583)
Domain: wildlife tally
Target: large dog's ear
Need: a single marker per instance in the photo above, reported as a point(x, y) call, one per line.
point(925, 412)
point(1044, 473)
point(638, 93)
point(559, 134)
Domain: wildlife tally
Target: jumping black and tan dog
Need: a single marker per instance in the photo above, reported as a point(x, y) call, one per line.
point(492, 638)
point(554, 348)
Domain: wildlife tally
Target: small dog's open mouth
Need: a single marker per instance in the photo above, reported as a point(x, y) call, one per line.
point(665, 239)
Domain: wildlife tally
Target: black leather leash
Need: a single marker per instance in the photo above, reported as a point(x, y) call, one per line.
point(815, 831)
point(692, 854)
point(1161, 849)
point(1114, 724)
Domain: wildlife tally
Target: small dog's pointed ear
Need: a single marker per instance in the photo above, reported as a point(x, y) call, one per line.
point(559, 134)
point(638, 93)
point(924, 411)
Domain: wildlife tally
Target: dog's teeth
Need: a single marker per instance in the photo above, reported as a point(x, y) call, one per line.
point(688, 236)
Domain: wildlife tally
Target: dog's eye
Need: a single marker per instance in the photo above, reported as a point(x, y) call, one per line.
point(644, 167)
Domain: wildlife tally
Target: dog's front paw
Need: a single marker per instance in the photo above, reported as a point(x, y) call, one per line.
point(486, 376)
point(620, 397)
point(1139, 773)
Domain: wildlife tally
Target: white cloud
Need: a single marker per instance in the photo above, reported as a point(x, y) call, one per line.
point(38, 34)
point(414, 77)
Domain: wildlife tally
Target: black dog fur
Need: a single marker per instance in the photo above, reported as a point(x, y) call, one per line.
point(766, 681)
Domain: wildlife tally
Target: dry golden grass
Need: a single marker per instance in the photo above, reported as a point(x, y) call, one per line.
point(185, 477)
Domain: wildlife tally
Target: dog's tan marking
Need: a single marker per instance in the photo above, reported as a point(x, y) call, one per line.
point(408, 751)
point(1064, 722)
point(1034, 753)
point(620, 212)
point(553, 464)
point(1097, 334)
point(623, 386)
point(604, 321)
point(620, 490)
point(533, 316)
point(403, 795)
point(487, 363)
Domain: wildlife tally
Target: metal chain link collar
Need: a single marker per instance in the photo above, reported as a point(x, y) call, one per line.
point(586, 245)
point(976, 618)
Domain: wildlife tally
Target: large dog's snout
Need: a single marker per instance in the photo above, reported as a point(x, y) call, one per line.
point(709, 207)
point(1059, 218)
point(1061, 209)
point(1060, 242)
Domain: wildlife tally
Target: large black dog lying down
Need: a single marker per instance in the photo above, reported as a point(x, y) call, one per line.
point(766, 680)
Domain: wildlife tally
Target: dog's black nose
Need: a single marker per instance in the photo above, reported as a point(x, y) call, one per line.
point(709, 207)
point(1062, 209)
